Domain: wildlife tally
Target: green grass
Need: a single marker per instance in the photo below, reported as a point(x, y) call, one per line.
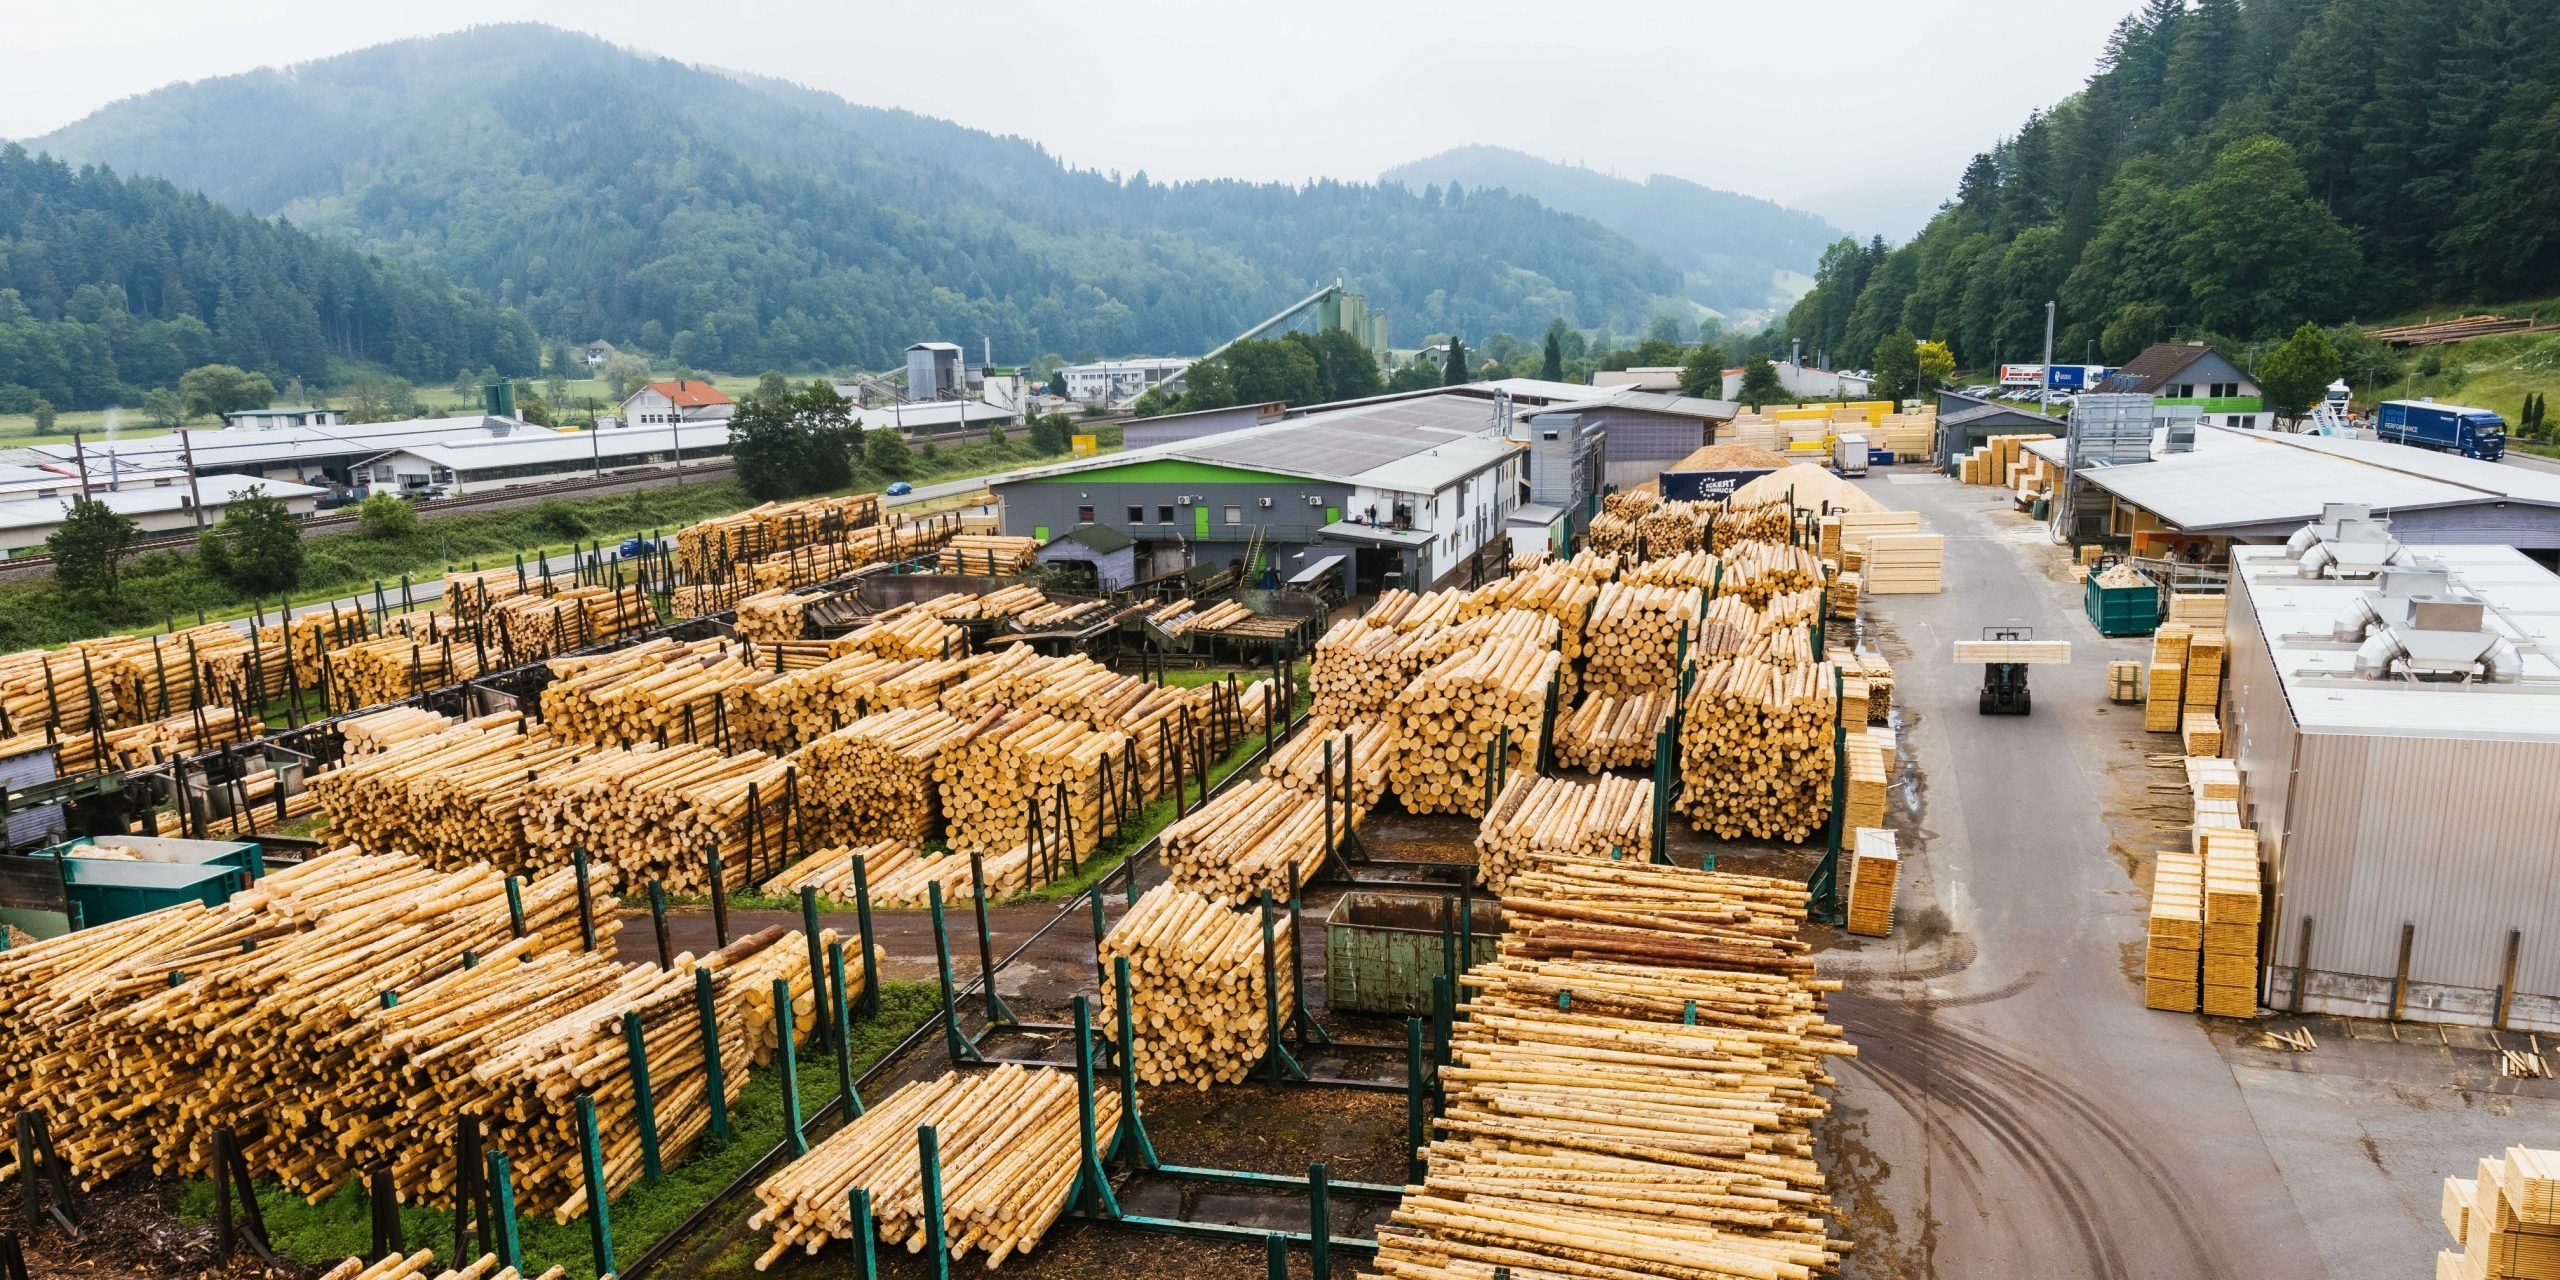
point(2487, 373)
point(340, 1226)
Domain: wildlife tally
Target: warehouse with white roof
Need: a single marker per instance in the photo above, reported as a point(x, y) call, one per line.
point(2398, 736)
point(163, 503)
point(452, 468)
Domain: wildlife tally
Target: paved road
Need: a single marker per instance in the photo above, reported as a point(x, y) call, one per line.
point(2533, 462)
point(2014, 1111)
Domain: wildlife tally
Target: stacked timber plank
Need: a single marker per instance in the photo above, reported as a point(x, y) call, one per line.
point(1199, 1007)
point(994, 555)
point(2175, 942)
point(1010, 1151)
point(1590, 1130)
point(1756, 749)
point(874, 779)
point(1537, 818)
point(658, 691)
point(1633, 637)
point(654, 812)
point(2507, 1219)
point(1867, 793)
point(1261, 837)
point(2026, 652)
point(1608, 732)
point(1878, 674)
point(2231, 910)
point(454, 798)
point(2200, 609)
point(2201, 733)
point(1904, 564)
point(1872, 868)
point(2163, 706)
point(1449, 722)
point(2206, 649)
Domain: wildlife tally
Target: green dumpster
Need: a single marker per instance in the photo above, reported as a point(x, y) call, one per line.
point(159, 872)
point(2123, 611)
point(1383, 949)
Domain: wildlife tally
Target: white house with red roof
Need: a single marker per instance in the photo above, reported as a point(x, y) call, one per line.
point(683, 400)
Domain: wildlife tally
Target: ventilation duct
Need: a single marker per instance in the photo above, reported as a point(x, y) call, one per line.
point(2388, 603)
point(2444, 638)
point(2348, 541)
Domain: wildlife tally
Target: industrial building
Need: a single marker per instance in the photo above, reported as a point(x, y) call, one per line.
point(452, 468)
point(304, 455)
point(1396, 492)
point(936, 371)
point(1965, 422)
point(298, 416)
point(2396, 716)
point(1647, 430)
point(1112, 381)
point(162, 504)
point(2241, 486)
point(681, 400)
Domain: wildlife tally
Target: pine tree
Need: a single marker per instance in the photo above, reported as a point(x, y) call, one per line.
point(1453, 367)
point(1552, 367)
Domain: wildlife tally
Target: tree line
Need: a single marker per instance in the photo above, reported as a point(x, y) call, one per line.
point(2234, 170)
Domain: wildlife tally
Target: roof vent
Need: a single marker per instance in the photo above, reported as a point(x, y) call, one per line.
point(2444, 638)
point(2388, 603)
point(2347, 541)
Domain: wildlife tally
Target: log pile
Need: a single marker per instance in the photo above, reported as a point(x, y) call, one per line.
point(383, 730)
point(1634, 1089)
point(784, 711)
point(1358, 752)
point(909, 632)
point(58, 688)
point(1613, 732)
point(1256, 838)
point(1634, 637)
point(1448, 722)
point(1630, 504)
point(1067, 615)
point(1746, 519)
point(1011, 761)
point(422, 1266)
point(654, 811)
point(453, 798)
point(1405, 611)
point(773, 616)
point(712, 548)
point(658, 691)
point(1756, 749)
point(1198, 1006)
point(243, 670)
point(1673, 527)
point(830, 871)
point(875, 779)
point(188, 734)
point(536, 625)
point(370, 673)
point(995, 555)
point(1610, 534)
point(1010, 1150)
point(1555, 589)
point(1537, 818)
point(1362, 664)
point(1758, 571)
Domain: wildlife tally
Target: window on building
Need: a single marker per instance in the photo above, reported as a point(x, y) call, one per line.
point(2223, 389)
point(1235, 515)
point(1164, 515)
point(1137, 515)
point(1084, 515)
point(1462, 497)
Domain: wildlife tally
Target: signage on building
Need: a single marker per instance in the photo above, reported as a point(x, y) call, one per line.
point(2021, 375)
point(1082, 446)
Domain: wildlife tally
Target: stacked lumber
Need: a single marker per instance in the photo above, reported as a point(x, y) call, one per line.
point(2124, 682)
point(660, 690)
point(1010, 1151)
point(1613, 732)
point(1197, 999)
point(830, 870)
point(995, 555)
point(136, 1037)
point(1878, 674)
point(1449, 721)
point(383, 730)
point(1991, 462)
point(1844, 595)
point(874, 779)
point(2507, 1219)
point(1904, 564)
point(653, 811)
point(1597, 1133)
point(1866, 796)
point(1537, 818)
point(2175, 941)
point(453, 798)
point(2200, 609)
point(2023, 652)
point(1011, 760)
point(2200, 733)
point(2206, 648)
point(773, 616)
point(180, 736)
point(1756, 749)
point(1633, 637)
point(1874, 867)
point(1610, 534)
point(2231, 909)
point(1260, 837)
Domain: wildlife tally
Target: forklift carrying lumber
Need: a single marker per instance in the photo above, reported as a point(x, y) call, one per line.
point(2005, 653)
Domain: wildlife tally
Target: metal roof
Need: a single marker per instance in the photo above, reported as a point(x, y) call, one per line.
point(574, 446)
point(929, 413)
point(217, 491)
point(1629, 396)
point(1535, 513)
point(257, 446)
point(1439, 466)
point(1379, 534)
point(1360, 443)
point(2318, 673)
point(2236, 479)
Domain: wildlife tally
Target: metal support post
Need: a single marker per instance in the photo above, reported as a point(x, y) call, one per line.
point(929, 1166)
point(644, 1104)
point(719, 896)
point(1132, 1137)
point(866, 1237)
point(715, 1084)
point(658, 924)
point(1319, 1230)
point(1414, 1134)
point(502, 1196)
point(599, 1215)
point(997, 1013)
point(1275, 1054)
point(1092, 1192)
point(959, 1046)
point(819, 1025)
point(783, 1033)
point(586, 900)
point(844, 1022)
point(869, 1003)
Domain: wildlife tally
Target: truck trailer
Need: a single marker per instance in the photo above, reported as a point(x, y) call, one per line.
point(2446, 428)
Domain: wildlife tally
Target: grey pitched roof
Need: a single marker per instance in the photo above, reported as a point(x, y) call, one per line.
point(1100, 539)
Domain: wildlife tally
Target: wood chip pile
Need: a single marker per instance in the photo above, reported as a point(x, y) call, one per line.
point(1198, 1006)
point(1009, 1151)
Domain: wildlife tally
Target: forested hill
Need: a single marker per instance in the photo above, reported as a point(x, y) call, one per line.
point(740, 223)
point(109, 285)
point(2234, 170)
point(1730, 247)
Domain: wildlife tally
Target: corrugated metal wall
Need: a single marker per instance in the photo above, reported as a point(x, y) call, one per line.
point(2265, 740)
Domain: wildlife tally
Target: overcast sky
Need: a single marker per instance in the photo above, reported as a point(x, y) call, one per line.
point(1861, 110)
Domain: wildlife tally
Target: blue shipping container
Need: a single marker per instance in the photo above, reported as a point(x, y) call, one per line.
point(2447, 428)
point(1706, 486)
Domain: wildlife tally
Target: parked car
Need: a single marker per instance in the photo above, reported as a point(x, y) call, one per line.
point(900, 489)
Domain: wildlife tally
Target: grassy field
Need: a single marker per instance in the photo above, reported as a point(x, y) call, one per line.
point(340, 1226)
point(2486, 373)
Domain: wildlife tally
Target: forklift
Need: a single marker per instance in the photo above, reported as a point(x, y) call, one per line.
point(2004, 684)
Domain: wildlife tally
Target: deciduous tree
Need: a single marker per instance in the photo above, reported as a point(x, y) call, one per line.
point(88, 548)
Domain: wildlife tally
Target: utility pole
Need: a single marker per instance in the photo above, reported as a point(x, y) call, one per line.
point(675, 431)
point(195, 497)
point(80, 455)
point(2044, 393)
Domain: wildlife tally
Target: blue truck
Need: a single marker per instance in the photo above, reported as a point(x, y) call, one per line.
point(2446, 428)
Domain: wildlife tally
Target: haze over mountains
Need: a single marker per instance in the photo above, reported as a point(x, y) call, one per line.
point(740, 222)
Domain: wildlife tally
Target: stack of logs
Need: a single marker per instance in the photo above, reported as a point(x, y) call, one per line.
point(1009, 1149)
point(1608, 732)
point(1448, 722)
point(1635, 637)
point(185, 734)
point(770, 617)
point(1634, 1088)
point(1013, 762)
point(1537, 817)
point(453, 798)
point(370, 673)
point(1557, 590)
point(659, 691)
point(1261, 837)
point(874, 779)
point(1199, 1009)
point(1756, 751)
point(994, 555)
point(783, 711)
point(1358, 757)
point(381, 731)
point(656, 811)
